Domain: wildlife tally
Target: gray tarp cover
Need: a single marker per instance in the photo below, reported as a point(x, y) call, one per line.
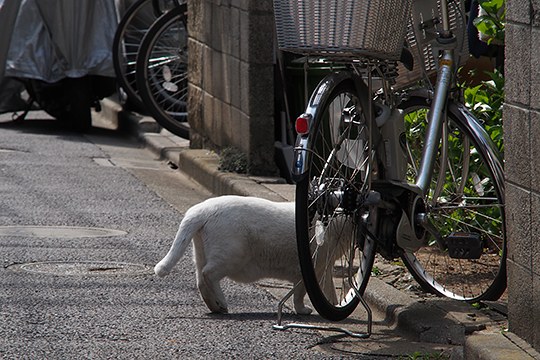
point(54, 39)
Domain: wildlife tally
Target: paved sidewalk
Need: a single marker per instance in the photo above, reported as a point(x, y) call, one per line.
point(404, 327)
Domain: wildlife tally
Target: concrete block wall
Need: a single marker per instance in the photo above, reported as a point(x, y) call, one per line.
point(522, 166)
point(231, 83)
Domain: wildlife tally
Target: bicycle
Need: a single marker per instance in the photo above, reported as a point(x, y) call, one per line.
point(161, 70)
point(135, 22)
point(389, 160)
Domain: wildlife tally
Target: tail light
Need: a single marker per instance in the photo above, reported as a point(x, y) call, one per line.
point(302, 124)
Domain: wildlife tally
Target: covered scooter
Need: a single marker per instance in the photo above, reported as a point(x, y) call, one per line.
point(62, 51)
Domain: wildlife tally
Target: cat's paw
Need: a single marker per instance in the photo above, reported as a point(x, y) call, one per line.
point(214, 305)
point(163, 267)
point(219, 309)
point(160, 270)
point(304, 310)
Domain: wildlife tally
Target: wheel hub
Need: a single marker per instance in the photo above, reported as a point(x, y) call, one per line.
point(342, 197)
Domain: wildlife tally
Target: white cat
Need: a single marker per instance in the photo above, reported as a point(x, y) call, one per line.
point(242, 238)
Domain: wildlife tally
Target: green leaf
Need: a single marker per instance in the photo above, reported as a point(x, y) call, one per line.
point(487, 25)
point(492, 6)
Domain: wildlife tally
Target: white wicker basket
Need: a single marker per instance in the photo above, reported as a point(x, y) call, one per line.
point(342, 28)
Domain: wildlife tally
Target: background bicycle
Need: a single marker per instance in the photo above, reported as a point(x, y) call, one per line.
point(151, 40)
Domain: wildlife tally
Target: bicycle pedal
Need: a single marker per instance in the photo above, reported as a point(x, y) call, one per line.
point(464, 245)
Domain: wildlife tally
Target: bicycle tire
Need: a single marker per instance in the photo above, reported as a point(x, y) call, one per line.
point(335, 254)
point(162, 71)
point(126, 43)
point(470, 202)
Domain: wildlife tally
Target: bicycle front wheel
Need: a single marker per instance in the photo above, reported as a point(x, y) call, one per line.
point(332, 223)
point(162, 71)
point(465, 256)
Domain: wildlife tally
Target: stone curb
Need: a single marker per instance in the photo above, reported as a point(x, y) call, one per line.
point(422, 322)
point(498, 347)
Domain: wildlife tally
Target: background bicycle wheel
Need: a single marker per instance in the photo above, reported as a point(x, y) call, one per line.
point(162, 71)
point(134, 24)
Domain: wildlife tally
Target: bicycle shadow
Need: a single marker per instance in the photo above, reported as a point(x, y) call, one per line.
point(41, 123)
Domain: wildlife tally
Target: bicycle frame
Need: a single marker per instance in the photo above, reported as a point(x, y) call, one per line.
point(438, 108)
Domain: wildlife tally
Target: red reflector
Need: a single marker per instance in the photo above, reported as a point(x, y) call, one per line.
point(302, 125)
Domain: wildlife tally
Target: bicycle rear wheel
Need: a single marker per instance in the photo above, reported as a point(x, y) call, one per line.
point(127, 40)
point(335, 252)
point(162, 71)
point(465, 207)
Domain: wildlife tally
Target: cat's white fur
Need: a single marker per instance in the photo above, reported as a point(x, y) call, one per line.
point(242, 238)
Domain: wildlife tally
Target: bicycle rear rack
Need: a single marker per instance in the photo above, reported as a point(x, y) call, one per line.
point(358, 335)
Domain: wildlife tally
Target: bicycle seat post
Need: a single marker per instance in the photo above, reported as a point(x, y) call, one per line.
point(446, 32)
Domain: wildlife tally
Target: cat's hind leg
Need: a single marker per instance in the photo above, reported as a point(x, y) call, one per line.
point(210, 290)
point(209, 274)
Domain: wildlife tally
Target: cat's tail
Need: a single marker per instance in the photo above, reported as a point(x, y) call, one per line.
point(188, 227)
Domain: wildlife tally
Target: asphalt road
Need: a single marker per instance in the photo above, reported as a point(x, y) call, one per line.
point(83, 219)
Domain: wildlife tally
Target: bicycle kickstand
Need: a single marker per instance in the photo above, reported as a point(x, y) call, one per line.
point(359, 335)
